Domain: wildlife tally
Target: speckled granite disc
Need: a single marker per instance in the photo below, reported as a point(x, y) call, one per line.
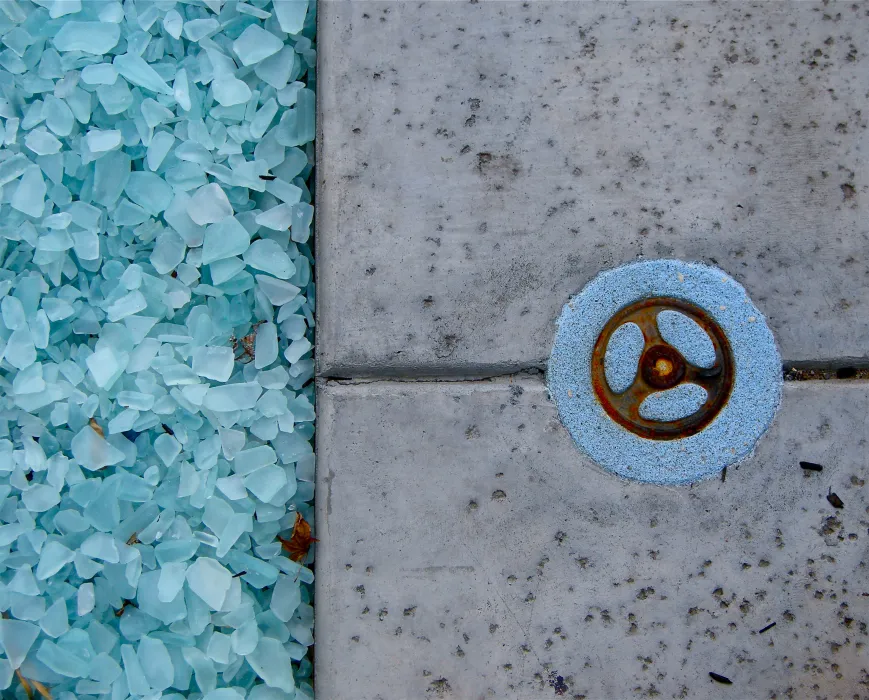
point(730, 437)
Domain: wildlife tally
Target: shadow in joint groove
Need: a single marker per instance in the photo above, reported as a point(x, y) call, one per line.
point(844, 369)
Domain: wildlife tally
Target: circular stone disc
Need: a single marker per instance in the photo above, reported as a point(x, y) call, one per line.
point(730, 437)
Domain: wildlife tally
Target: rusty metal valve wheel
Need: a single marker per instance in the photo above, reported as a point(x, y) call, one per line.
point(663, 367)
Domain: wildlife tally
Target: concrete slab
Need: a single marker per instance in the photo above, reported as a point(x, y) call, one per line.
point(468, 551)
point(480, 162)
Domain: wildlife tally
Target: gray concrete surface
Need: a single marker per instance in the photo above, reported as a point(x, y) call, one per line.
point(467, 551)
point(480, 162)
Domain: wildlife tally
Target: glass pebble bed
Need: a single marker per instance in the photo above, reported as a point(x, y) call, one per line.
point(156, 328)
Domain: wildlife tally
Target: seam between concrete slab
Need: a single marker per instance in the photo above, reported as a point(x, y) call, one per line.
point(444, 372)
point(389, 385)
point(834, 363)
point(792, 371)
point(362, 378)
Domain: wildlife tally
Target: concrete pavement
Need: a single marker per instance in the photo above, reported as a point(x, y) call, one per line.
point(479, 163)
point(468, 551)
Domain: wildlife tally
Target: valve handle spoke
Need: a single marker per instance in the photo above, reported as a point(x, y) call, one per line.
point(707, 377)
point(648, 323)
point(632, 398)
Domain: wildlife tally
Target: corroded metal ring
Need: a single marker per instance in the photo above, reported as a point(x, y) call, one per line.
point(663, 367)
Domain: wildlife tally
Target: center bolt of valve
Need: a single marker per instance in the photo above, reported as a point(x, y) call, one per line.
point(662, 366)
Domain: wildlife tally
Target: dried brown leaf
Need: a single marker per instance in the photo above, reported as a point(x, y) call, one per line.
point(96, 427)
point(24, 684)
point(42, 690)
point(301, 540)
